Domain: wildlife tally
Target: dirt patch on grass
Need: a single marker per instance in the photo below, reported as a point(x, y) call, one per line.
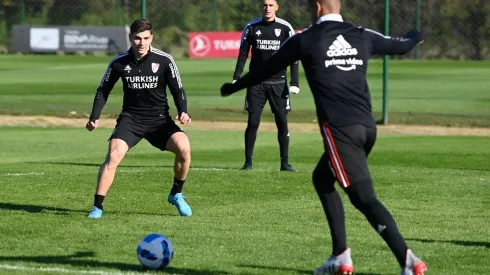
point(48, 121)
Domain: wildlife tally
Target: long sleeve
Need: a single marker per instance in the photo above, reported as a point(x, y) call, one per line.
point(294, 67)
point(386, 45)
point(172, 78)
point(289, 52)
point(295, 74)
point(243, 53)
point(101, 96)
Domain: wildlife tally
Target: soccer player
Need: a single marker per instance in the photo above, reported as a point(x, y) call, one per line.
point(335, 56)
point(265, 35)
point(145, 73)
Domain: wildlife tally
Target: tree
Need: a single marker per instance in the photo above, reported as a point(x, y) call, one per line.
point(471, 21)
point(64, 12)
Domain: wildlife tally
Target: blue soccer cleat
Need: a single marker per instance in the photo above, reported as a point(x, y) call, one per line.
point(180, 203)
point(95, 213)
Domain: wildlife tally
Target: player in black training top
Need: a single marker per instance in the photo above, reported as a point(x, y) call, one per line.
point(335, 56)
point(145, 73)
point(265, 35)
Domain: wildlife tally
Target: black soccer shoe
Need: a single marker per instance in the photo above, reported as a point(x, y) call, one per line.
point(287, 167)
point(247, 166)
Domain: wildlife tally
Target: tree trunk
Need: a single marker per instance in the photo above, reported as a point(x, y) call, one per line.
point(477, 18)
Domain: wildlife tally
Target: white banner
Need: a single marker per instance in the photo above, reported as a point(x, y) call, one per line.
point(45, 38)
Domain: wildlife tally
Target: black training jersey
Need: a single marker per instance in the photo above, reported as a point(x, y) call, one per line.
point(265, 38)
point(144, 85)
point(335, 59)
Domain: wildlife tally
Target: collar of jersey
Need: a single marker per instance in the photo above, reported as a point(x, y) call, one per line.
point(330, 17)
point(268, 22)
point(131, 54)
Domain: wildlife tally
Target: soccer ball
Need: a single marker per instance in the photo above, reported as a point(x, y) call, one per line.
point(155, 251)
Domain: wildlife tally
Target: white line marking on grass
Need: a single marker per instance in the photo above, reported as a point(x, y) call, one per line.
point(132, 171)
point(82, 66)
point(168, 168)
point(209, 169)
point(23, 174)
point(61, 270)
point(237, 169)
point(150, 169)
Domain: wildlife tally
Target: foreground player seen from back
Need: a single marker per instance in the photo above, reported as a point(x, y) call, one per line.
point(145, 73)
point(335, 55)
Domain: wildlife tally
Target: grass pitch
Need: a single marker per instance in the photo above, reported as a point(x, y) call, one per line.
point(257, 222)
point(451, 93)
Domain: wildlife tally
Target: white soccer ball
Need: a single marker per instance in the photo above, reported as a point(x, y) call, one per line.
point(155, 251)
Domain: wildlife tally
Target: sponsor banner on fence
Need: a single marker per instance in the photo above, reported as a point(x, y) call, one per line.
point(70, 39)
point(215, 44)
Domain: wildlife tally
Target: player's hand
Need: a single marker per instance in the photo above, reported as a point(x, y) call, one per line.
point(91, 125)
point(183, 118)
point(415, 35)
point(227, 89)
point(294, 90)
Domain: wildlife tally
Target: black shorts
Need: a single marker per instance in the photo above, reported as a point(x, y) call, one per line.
point(132, 130)
point(277, 94)
point(348, 148)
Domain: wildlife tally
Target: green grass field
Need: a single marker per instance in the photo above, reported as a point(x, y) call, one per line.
point(257, 222)
point(420, 92)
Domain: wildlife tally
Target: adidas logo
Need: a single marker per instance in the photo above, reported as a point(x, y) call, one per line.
point(340, 47)
point(127, 68)
point(347, 61)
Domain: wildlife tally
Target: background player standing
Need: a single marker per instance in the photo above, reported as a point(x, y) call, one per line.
point(145, 73)
point(265, 35)
point(335, 57)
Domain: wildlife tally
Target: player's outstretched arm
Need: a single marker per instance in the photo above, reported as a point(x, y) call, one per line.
point(294, 85)
point(242, 54)
point(386, 45)
point(294, 68)
point(102, 95)
point(282, 58)
point(174, 82)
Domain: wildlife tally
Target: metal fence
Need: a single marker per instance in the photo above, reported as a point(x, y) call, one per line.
point(455, 29)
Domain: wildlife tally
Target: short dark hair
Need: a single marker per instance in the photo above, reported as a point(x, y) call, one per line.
point(141, 25)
